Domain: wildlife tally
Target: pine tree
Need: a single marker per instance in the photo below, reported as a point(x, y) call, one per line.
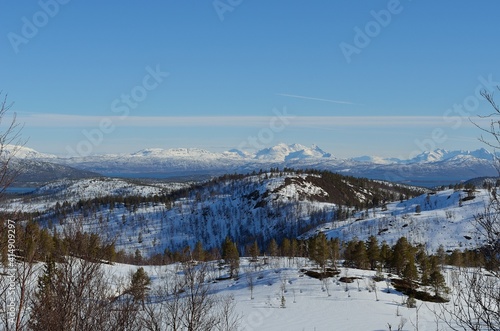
point(385, 254)
point(350, 253)
point(272, 249)
point(441, 255)
point(373, 252)
point(400, 253)
point(321, 251)
point(286, 247)
point(334, 251)
point(231, 256)
point(199, 252)
point(139, 282)
point(438, 283)
point(410, 272)
point(254, 250)
point(360, 255)
point(44, 314)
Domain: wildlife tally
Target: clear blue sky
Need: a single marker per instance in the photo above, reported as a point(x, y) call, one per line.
point(233, 65)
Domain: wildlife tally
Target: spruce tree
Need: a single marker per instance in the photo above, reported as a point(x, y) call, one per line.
point(373, 252)
point(360, 255)
point(231, 256)
point(254, 250)
point(139, 282)
point(44, 313)
point(400, 253)
point(199, 252)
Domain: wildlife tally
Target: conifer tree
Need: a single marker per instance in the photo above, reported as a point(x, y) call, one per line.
point(199, 252)
point(44, 314)
point(360, 255)
point(320, 252)
point(373, 252)
point(385, 254)
point(231, 256)
point(410, 272)
point(139, 282)
point(400, 253)
point(438, 283)
point(272, 249)
point(254, 250)
point(334, 251)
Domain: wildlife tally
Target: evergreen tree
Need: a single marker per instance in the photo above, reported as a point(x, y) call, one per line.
point(360, 256)
point(438, 283)
point(400, 254)
point(272, 248)
point(44, 314)
point(199, 252)
point(334, 252)
point(373, 252)
point(139, 282)
point(286, 247)
point(254, 250)
point(350, 253)
point(321, 251)
point(385, 254)
point(441, 255)
point(231, 256)
point(410, 272)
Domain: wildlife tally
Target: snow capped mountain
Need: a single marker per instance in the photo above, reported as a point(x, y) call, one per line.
point(283, 152)
point(375, 159)
point(429, 157)
point(174, 152)
point(430, 168)
point(442, 154)
point(22, 152)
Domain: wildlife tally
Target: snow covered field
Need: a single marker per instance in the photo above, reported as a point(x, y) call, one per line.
point(312, 304)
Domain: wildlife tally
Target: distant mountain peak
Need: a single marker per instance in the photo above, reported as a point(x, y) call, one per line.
point(440, 154)
point(283, 152)
point(172, 152)
point(23, 152)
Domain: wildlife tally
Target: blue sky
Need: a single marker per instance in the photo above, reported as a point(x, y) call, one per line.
point(388, 78)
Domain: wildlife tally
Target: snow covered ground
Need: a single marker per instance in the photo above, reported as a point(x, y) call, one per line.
point(312, 304)
point(443, 220)
point(254, 207)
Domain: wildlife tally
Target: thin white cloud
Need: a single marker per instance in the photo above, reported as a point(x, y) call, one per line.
point(316, 99)
point(81, 121)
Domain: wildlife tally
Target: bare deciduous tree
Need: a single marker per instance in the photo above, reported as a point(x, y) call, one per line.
point(184, 302)
point(475, 303)
point(10, 143)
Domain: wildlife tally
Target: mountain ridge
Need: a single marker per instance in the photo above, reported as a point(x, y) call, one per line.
point(430, 168)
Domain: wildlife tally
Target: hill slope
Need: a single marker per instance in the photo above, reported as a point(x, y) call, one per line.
point(252, 207)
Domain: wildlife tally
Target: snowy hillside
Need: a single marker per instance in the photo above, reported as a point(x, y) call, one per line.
point(254, 207)
point(260, 207)
point(73, 190)
point(444, 218)
point(310, 304)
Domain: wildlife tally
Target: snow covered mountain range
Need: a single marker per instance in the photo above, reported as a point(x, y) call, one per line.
point(430, 168)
